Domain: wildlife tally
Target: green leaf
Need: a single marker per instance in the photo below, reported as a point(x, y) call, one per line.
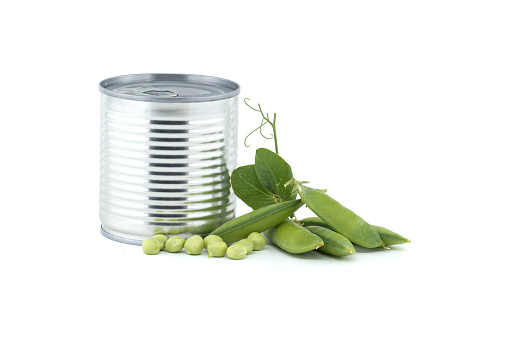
point(248, 188)
point(273, 172)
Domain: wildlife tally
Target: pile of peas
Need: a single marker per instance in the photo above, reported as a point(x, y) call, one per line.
point(214, 245)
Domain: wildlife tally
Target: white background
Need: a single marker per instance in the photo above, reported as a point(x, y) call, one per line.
point(398, 108)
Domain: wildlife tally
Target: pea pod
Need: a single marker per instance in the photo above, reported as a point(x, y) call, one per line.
point(387, 236)
point(334, 243)
point(258, 220)
point(293, 238)
point(340, 218)
point(314, 221)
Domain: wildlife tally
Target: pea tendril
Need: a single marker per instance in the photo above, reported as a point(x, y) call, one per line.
point(265, 120)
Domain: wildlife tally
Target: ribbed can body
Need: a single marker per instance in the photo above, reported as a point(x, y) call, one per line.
point(165, 167)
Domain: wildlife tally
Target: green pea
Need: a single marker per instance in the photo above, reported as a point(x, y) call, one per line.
point(217, 248)
point(174, 230)
point(158, 230)
point(389, 237)
point(258, 241)
point(211, 238)
point(194, 245)
point(162, 240)
point(340, 218)
point(150, 246)
point(174, 244)
point(248, 244)
point(334, 243)
point(293, 238)
point(256, 221)
point(237, 251)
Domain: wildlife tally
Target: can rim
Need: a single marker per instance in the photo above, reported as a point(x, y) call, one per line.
point(117, 238)
point(151, 77)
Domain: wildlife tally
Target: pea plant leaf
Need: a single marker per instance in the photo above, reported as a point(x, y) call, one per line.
point(273, 172)
point(248, 188)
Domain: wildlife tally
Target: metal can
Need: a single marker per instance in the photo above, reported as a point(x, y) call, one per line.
point(168, 147)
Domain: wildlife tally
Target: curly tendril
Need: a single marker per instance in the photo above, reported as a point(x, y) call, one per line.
point(265, 120)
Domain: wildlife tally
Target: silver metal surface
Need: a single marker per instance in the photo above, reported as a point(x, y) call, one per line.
point(165, 166)
point(169, 87)
point(120, 239)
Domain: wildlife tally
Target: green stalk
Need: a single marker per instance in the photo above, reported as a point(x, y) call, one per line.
point(265, 120)
point(274, 134)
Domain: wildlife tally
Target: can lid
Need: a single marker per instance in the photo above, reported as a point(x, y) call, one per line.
point(169, 87)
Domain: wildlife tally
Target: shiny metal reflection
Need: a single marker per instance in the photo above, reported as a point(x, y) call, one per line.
point(165, 167)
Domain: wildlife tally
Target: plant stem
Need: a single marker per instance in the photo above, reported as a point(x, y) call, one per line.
point(274, 134)
point(266, 118)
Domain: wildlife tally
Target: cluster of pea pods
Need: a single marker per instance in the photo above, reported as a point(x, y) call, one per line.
point(334, 230)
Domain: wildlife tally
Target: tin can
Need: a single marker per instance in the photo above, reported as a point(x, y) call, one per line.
point(168, 147)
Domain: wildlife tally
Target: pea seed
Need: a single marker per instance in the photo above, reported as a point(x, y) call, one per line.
point(237, 251)
point(211, 238)
point(194, 245)
point(162, 240)
point(158, 230)
point(150, 246)
point(217, 249)
point(174, 244)
point(248, 244)
point(258, 241)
